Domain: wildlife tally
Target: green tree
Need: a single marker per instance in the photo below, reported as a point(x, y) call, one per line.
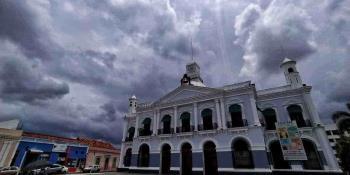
point(343, 151)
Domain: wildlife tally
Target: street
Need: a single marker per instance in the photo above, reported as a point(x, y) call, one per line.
point(110, 173)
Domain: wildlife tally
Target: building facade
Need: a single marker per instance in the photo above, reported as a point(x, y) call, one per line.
point(55, 149)
point(101, 153)
point(10, 135)
point(196, 129)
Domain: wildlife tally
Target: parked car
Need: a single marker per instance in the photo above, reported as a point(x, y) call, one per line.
point(92, 169)
point(55, 169)
point(9, 170)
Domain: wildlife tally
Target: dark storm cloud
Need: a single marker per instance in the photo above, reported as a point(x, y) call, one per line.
point(20, 26)
point(268, 38)
point(21, 81)
point(109, 50)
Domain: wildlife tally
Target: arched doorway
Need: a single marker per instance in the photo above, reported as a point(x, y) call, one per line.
point(270, 118)
point(143, 158)
point(313, 161)
point(127, 157)
point(296, 113)
point(277, 156)
point(185, 122)
point(236, 116)
point(166, 124)
point(166, 159)
point(186, 159)
point(241, 154)
point(210, 159)
point(207, 118)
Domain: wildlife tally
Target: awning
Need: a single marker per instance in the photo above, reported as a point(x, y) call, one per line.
point(34, 150)
point(235, 108)
point(146, 121)
point(166, 118)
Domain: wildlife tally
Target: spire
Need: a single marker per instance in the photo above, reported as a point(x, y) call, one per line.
point(192, 49)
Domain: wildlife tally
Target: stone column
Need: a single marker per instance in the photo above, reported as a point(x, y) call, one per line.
point(175, 118)
point(136, 126)
point(254, 111)
point(218, 116)
point(195, 116)
point(155, 122)
point(223, 113)
point(314, 117)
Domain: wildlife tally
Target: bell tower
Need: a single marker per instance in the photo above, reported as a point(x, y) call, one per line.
point(291, 74)
point(132, 104)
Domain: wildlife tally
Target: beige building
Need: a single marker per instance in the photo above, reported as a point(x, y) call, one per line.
point(101, 153)
point(10, 136)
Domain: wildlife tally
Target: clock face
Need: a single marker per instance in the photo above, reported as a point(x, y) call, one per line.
point(191, 68)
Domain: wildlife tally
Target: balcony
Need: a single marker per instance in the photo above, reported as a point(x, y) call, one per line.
point(166, 131)
point(244, 123)
point(201, 127)
point(185, 129)
point(143, 132)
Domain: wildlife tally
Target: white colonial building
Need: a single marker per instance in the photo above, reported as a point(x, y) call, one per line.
point(196, 129)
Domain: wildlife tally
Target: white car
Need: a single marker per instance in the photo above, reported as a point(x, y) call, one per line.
point(9, 170)
point(92, 169)
point(55, 168)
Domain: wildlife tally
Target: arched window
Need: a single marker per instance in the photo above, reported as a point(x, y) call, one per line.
point(210, 158)
point(146, 130)
point(186, 159)
point(290, 70)
point(207, 117)
point(313, 161)
point(185, 122)
point(276, 156)
point(166, 124)
point(131, 133)
point(166, 159)
point(344, 125)
point(143, 157)
point(296, 113)
point(241, 154)
point(270, 118)
point(127, 157)
point(236, 115)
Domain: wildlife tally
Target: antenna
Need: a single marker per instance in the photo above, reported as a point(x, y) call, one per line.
point(283, 52)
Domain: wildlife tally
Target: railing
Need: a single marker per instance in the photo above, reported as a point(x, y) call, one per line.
point(143, 132)
point(184, 129)
point(201, 127)
point(244, 123)
point(166, 131)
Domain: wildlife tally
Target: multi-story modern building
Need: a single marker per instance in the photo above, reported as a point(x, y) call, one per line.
point(340, 127)
point(196, 129)
point(101, 153)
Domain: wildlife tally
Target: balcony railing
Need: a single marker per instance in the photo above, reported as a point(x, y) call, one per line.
point(201, 127)
point(184, 129)
point(230, 124)
point(166, 131)
point(143, 132)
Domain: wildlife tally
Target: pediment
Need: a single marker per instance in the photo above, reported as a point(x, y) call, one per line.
point(185, 92)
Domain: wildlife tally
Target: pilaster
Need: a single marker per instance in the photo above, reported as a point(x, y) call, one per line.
point(218, 116)
point(195, 111)
point(223, 116)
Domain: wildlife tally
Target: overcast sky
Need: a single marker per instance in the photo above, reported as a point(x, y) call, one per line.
point(68, 67)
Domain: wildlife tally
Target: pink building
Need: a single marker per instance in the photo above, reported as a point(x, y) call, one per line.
point(101, 153)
